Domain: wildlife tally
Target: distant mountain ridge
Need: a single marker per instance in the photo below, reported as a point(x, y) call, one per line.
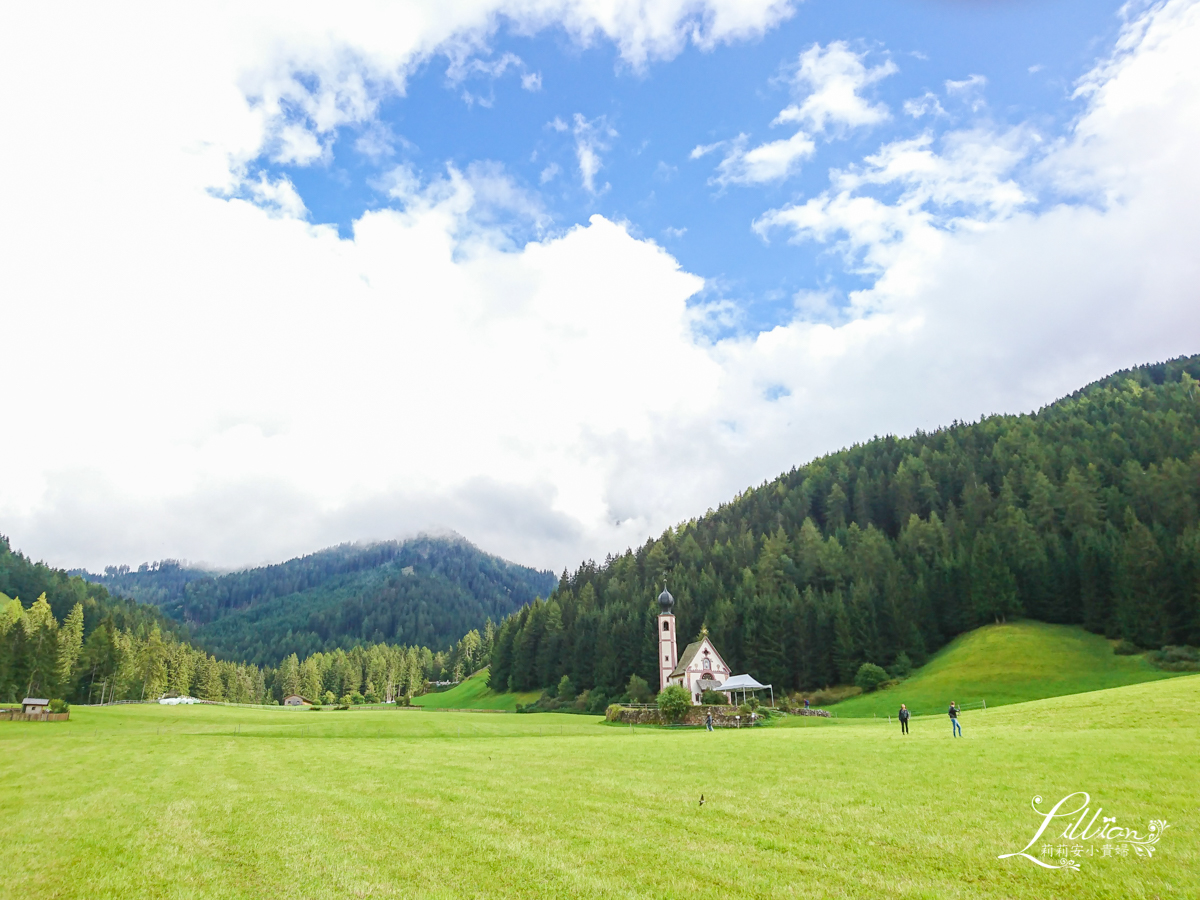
point(428, 590)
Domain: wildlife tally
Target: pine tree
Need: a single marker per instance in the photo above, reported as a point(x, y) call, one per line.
point(289, 678)
point(549, 649)
point(40, 646)
point(309, 680)
point(502, 652)
point(525, 645)
point(70, 645)
point(846, 654)
point(1139, 596)
point(837, 508)
point(993, 586)
point(182, 666)
point(1081, 507)
point(214, 688)
point(153, 664)
point(566, 690)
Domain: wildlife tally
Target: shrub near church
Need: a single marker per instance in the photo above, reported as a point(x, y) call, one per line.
point(673, 702)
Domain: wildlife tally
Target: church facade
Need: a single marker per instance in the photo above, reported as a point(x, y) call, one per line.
point(699, 668)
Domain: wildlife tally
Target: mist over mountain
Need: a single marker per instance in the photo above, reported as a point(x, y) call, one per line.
point(428, 591)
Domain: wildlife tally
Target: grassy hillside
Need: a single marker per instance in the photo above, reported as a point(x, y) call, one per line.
point(1005, 664)
point(231, 803)
point(474, 693)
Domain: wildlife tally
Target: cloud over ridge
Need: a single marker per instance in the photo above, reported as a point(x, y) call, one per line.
point(205, 373)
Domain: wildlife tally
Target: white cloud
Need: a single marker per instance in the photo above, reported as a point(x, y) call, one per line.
point(377, 142)
point(465, 64)
point(549, 173)
point(1020, 303)
point(830, 81)
point(202, 373)
point(927, 104)
point(646, 30)
point(969, 90)
point(966, 188)
point(532, 81)
point(592, 138)
point(968, 85)
point(400, 183)
point(277, 197)
point(833, 78)
point(772, 161)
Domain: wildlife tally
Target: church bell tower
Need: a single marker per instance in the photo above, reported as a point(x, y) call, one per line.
point(668, 651)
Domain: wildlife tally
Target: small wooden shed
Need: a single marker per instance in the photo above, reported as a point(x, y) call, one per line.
point(32, 706)
point(296, 700)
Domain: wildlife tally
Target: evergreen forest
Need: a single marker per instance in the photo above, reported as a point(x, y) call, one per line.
point(428, 591)
point(76, 642)
point(1083, 512)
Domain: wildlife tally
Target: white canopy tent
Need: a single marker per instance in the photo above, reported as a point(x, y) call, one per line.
point(744, 683)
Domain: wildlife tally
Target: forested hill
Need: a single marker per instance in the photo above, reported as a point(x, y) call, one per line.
point(1084, 512)
point(35, 654)
point(427, 591)
point(24, 580)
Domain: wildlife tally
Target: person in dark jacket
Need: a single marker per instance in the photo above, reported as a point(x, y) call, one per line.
point(708, 721)
point(957, 732)
point(903, 717)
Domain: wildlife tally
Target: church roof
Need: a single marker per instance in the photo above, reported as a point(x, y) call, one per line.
point(685, 658)
point(689, 653)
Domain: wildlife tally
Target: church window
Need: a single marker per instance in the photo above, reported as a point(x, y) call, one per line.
point(666, 626)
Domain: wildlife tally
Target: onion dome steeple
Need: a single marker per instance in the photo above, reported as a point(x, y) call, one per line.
point(665, 601)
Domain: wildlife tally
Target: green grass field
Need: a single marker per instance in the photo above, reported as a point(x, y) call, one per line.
point(1005, 664)
point(221, 802)
point(473, 693)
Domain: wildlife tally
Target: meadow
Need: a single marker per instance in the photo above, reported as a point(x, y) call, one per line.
point(226, 802)
point(1008, 663)
point(474, 693)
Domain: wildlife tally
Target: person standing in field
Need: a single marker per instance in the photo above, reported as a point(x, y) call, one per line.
point(903, 717)
point(708, 720)
point(957, 732)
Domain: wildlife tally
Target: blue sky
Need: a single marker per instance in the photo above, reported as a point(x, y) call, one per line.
point(557, 274)
point(648, 121)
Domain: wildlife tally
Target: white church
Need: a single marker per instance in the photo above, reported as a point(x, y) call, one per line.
point(699, 669)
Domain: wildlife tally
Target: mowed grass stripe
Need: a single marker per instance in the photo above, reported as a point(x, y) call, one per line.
point(397, 804)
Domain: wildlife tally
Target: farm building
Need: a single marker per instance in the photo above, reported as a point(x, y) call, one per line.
point(296, 700)
point(32, 706)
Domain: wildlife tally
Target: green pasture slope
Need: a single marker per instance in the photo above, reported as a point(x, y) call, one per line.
point(474, 693)
point(215, 802)
point(1004, 664)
